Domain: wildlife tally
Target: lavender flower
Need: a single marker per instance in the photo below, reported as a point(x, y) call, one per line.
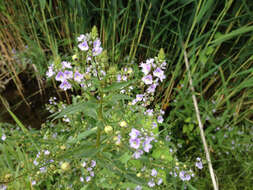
point(83, 46)
point(78, 76)
point(50, 71)
point(145, 68)
point(88, 178)
point(151, 183)
point(134, 133)
point(68, 74)
point(118, 77)
point(81, 38)
point(3, 187)
point(92, 174)
point(154, 125)
point(97, 43)
point(93, 163)
point(81, 179)
point(3, 137)
point(164, 64)
point(124, 78)
point(97, 49)
point(65, 85)
point(83, 164)
point(150, 61)
point(134, 143)
point(160, 181)
point(153, 172)
point(199, 164)
point(134, 101)
point(137, 154)
point(66, 64)
point(35, 163)
point(146, 144)
point(184, 176)
point(151, 88)
point(149, 112)
point(159, 119)
point(33, 182)
point(60, 76)
point(139, 97)
point(147, 79)
point(138, 187)
point(159, 73)
point(43, 169)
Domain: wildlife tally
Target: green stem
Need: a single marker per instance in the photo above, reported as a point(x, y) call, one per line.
point(100, 117)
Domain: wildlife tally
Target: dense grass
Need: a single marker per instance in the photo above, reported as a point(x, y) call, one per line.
point(218, 36)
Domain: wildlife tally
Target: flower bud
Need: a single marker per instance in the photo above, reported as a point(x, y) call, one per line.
point(108, 129)
point(74, 57)
point(94, 32)
point(65, 166)
point(8, 176)
point(130, 70)
point(123, 124)
point(161, 55)
point(63, 147)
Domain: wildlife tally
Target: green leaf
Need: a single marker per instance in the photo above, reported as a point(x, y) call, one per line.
point(136, 163)
point(162, 153)
point(89, 108)
point(135, 179)
point(188, 120)
point(43, 4)
point(125, 157)
point(117, 86)
point(224, 37)
point(84, 187)
point(209, 50)
point(128, 185)
point(117, 97)
point(83, 135)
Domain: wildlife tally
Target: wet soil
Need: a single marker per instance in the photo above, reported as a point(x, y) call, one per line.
point(35, 113)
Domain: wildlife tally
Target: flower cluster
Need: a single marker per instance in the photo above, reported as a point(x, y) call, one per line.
point(123, 76)
point(184, 175)
point(88, 171)
point(72, 72)
point(42, 159)
point(65, 74)
point(154, 180)
point(153, 70)
point(140, 141)
point(86, 43)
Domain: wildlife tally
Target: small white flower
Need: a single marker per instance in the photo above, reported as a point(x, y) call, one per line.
point(3, 137)
point(84, 164)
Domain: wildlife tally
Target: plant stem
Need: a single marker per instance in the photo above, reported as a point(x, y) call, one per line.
point(202, 134)
point(100, 118)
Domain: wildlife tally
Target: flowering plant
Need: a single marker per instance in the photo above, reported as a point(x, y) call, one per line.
point(109, 136)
